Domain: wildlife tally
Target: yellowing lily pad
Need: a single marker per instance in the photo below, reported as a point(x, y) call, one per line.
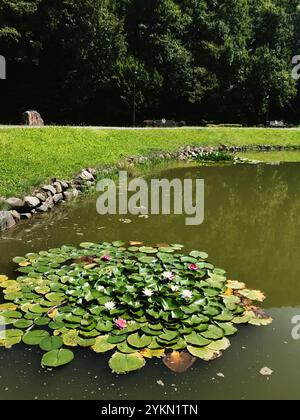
point(204, 353)
point(255, 295)
point(101, 345)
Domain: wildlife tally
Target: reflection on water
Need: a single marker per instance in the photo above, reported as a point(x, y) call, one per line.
point(251, 228)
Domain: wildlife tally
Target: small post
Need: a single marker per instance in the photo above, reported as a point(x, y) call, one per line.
point(134, 99)
point(2, 67)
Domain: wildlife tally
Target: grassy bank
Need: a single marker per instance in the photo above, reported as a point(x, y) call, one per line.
point(29, 157)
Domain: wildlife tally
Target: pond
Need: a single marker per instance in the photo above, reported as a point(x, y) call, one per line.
point(251, 228)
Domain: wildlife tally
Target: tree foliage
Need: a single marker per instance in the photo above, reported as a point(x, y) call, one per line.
point(82, 61)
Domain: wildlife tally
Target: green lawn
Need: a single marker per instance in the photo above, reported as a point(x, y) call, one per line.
point(29, 157)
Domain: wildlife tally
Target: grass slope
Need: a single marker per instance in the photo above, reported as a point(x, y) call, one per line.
point(29, 157)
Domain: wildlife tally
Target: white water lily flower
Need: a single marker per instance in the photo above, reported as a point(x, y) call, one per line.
point(168, 275)
point(148, 292)
point(110, 306)
point(187, 294)
point(174, 288)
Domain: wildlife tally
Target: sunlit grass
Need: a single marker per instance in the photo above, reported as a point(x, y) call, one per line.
point(29, 157)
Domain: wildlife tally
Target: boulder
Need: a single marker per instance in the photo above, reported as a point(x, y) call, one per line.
point(64, 185)
point(43, 208)
point(41, 196)
point(32, 118)
point(16, 216)
point(58, 197)
point(49, 188)
point(58, 187)
point(15, 203)
point(32, 202)
point(86, 176)
point(7, 220)
point(50, 203)
point(70, 194)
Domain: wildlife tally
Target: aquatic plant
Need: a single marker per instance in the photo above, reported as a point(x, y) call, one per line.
point(214, 156)
point(139, 302)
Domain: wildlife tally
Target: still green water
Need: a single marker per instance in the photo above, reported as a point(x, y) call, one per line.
point(251, 228)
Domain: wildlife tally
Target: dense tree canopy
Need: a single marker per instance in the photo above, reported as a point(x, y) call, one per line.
point(80, 61)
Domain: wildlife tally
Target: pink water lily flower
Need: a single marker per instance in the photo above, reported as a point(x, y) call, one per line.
point(121, 323)
point(106, 258)
point(193, 267)
point(168, 275)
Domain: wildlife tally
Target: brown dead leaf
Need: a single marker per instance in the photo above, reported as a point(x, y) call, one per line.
point(179, 362)
point(25, 264)
point(259, 312)
point(134, 243)
point(162, 245)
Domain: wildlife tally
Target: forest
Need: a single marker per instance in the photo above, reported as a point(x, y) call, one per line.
point(83, 62)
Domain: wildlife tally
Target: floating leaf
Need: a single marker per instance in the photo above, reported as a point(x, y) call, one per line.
point(33, 338)
point(139, 341)
point(121, 363)
point(213, 333)
point(197, 340)
point(228, 328)
point(70, 338)
point(219, 345)
point(23, 323)
point(256, 295)
point(57, 358)
point(198, 254)
point(8, 307)
point(150, 354)
point(51, 343)
point(148, 250)
point(204, 353)
point(10, 338)
point(101, 345)
point(125, 348)
point(235, 285)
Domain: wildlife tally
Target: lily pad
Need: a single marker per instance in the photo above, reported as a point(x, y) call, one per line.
point(101, 345)
point(203, 353)
point(51, 343)
point(139, 341)
point(213, 333)
point(57, 358)
point(121, 363)
point(197, 340)
point(33, 338)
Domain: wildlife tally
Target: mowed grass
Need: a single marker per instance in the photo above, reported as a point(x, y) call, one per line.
point(29, 157)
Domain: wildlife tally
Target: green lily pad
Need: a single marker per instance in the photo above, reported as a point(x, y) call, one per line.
point(213, 333)
point(125, 348)
point(23, 323)
point(51, 343)
point(121, 363)
point(197, 340)
point(139, 341)
point(203, 353)
point(57, 358)
point(33, 338)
